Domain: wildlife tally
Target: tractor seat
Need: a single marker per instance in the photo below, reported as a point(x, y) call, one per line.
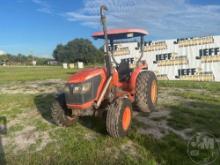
point(124, 71)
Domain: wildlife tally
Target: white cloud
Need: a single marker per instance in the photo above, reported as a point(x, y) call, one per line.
point(44, 7)
point(163, 19)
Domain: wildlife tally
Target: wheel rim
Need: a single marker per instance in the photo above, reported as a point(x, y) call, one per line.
point(154, 91)
point(126, 118)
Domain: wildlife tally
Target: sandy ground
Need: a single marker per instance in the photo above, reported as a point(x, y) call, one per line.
point(33, 87)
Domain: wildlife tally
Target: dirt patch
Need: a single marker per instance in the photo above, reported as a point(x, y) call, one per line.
point(28, 136)
point(90, 136)
point(155, 124)
point(33, 87)
point(23, 139)
point(166, 96)
point(113, 152)
point(159, 128)
point(22, 117)
point(130, 148)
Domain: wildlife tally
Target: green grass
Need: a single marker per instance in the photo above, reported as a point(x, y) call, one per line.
point(170, 150)
point(11, 74)
point(16, 128)
point(211, 86)
point(201, 112)
point(87, 141)
point(201, 96)
point(69, 145)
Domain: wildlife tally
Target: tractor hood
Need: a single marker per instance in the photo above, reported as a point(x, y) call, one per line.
point(86, 74)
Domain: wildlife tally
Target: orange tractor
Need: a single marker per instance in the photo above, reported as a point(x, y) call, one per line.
point(114, 88)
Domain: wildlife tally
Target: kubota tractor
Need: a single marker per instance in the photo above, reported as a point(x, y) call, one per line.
point(114, 88)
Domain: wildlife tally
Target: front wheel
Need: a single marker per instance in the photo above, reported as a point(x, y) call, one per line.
point(119, 116)
point(61, 115)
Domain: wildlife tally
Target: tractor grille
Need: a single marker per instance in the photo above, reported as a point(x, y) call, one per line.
point(81, 98)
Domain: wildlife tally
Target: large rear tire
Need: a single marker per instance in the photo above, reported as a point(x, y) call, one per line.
point(119, 117)
point(61, 115)
point(146, 91)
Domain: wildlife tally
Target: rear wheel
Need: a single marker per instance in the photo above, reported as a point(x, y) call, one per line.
point(61, 115)
point(119, 116)
point(146, 91)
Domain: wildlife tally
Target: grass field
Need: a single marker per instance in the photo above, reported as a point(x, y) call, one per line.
point(11, 74)
point(184, 109)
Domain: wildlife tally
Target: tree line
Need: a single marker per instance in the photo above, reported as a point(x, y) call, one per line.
point(78, 50)
point(22, 59)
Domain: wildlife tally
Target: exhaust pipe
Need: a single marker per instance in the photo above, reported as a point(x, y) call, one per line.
point(103, 92)
point(108, 63)
point(107, 56)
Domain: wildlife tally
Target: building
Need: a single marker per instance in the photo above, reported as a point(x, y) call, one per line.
point(52, 62)
point(195, 58)
point(34, 62)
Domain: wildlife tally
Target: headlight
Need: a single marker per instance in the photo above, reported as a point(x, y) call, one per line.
point(77, 89)
point(86, 87)
point(82, 88)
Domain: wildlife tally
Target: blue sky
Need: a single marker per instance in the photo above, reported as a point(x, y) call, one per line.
point(37, 26)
